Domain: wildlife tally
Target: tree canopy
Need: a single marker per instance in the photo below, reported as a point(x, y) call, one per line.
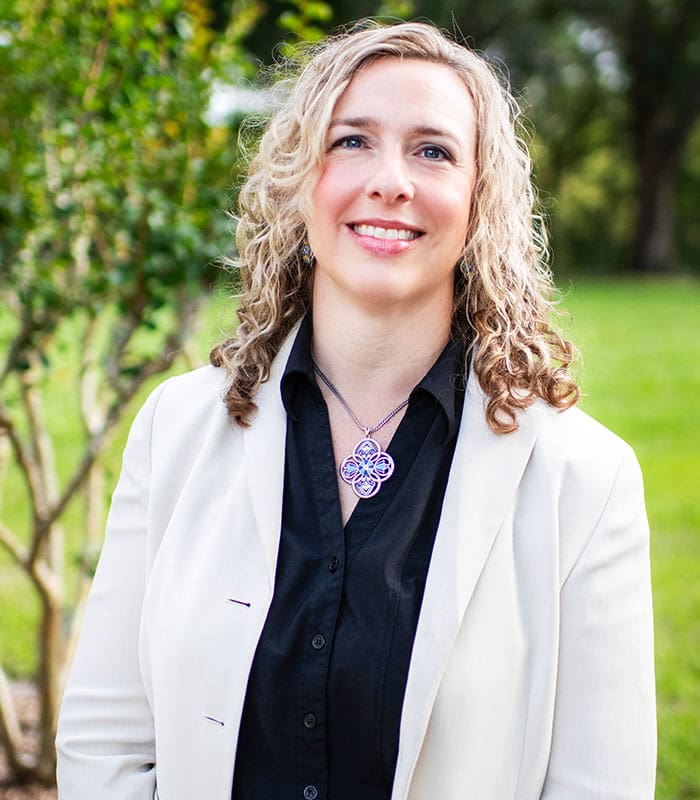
point(113, 191)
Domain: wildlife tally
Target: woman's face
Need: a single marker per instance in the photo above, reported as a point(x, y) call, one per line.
point(391, 206)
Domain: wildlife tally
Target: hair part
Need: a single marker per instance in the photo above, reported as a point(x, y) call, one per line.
point(503, 296)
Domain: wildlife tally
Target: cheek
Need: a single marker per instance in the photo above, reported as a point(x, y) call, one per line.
point(463, 197)
point(339, 185)
point(456, 213)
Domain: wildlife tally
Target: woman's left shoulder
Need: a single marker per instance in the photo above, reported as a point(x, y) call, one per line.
point(577, 442)
point(597, 482)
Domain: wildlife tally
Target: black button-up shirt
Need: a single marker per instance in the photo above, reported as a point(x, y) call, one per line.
point(324, 697)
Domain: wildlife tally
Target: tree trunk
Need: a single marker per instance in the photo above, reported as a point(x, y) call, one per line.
point(49, 683)
point(653, 247)
point(21, 767)
point(664, 97)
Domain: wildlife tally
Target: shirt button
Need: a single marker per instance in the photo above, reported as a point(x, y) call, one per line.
point(333, 564)
point(310, 793)
point(310, 720)
point(318, 642)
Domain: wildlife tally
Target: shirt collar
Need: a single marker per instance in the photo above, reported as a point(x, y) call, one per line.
point(299, 365)
point(445, 381)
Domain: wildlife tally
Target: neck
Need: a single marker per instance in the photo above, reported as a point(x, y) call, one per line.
point(377, 369)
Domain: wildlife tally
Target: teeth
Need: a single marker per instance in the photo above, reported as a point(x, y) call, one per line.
point(385, 233)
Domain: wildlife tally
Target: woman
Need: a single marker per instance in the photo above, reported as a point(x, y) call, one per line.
point(373, 552)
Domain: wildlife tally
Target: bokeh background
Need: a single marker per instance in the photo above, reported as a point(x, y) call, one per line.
point(120, 153)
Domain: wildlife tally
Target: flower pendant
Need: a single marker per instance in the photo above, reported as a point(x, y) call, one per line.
point(366, 468)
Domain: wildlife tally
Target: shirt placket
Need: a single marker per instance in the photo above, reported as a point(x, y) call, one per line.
point(317, 643)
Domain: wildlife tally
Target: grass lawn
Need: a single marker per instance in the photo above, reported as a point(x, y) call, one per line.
point(641, 377)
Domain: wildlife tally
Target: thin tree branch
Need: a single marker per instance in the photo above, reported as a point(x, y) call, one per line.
point(13, 546)
point(19, 343)
point(92, 450)
point(41, 490)
point(36, 570)
point(91, 410)
point(23, 458)
point(94, 525)
point(119, 340)
point(10, 731)
point(49, 535)
point(124, 393)
point(98, 62)
point(4, 462)
point(47, 583)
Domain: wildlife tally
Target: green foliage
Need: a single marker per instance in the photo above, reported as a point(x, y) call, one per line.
point(395, 9)
point(111, 180)
point(112, 190)
point(306, 21)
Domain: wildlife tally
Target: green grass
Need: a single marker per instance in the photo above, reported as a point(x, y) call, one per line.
point(641, 377)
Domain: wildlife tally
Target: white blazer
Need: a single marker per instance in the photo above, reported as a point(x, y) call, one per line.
point(531, 675)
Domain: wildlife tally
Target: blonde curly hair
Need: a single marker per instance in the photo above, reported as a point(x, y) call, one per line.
point(503, 289)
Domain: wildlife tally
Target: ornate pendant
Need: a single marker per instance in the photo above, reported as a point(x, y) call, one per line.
point(366, 468)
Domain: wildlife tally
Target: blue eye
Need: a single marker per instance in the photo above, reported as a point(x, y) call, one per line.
point(349, 142)
point(435, 153)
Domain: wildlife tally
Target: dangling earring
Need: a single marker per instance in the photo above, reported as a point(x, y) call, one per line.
point(306, 253)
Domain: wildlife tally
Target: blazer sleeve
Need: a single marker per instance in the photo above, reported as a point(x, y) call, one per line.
point(604, 736)
point(105, 743)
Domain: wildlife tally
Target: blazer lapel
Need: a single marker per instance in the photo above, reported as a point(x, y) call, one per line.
point(264, 446)
point(486, 471)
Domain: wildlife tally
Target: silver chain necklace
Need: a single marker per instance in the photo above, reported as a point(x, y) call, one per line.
point(368, 466)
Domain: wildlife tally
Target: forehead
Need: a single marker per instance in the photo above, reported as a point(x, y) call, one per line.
point(399, 88)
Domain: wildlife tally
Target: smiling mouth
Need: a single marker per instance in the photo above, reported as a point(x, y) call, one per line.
point(405, 234)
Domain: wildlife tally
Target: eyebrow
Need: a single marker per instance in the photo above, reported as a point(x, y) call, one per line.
point(369, 123)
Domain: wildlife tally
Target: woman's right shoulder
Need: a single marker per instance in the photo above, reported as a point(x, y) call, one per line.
point(204, 386)
point(186, 405)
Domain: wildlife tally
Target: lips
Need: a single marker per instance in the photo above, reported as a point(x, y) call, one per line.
point(385, 232)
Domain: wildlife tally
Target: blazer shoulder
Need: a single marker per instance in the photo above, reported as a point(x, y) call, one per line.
point(594, 474)
point(573, 437)
point(583, 458)
point(191, 394)
point(204, 384)
point(185, 410)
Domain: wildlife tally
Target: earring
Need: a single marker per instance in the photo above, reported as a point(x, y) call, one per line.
point(306, 253)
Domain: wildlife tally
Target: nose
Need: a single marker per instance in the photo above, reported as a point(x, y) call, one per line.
point(390, 179)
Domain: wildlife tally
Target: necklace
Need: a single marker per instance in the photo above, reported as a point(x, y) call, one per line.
point(368, 466)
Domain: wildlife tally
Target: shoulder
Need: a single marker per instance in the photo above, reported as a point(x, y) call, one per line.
point(181, 410)
point(594, 480)
point(577, 443)
point(584, 462)
point(192, 392)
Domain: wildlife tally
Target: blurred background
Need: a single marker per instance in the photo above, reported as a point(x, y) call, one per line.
point(119, 158)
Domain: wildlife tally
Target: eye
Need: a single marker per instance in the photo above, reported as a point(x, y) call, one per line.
point(434, 152)
point(351, 142)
